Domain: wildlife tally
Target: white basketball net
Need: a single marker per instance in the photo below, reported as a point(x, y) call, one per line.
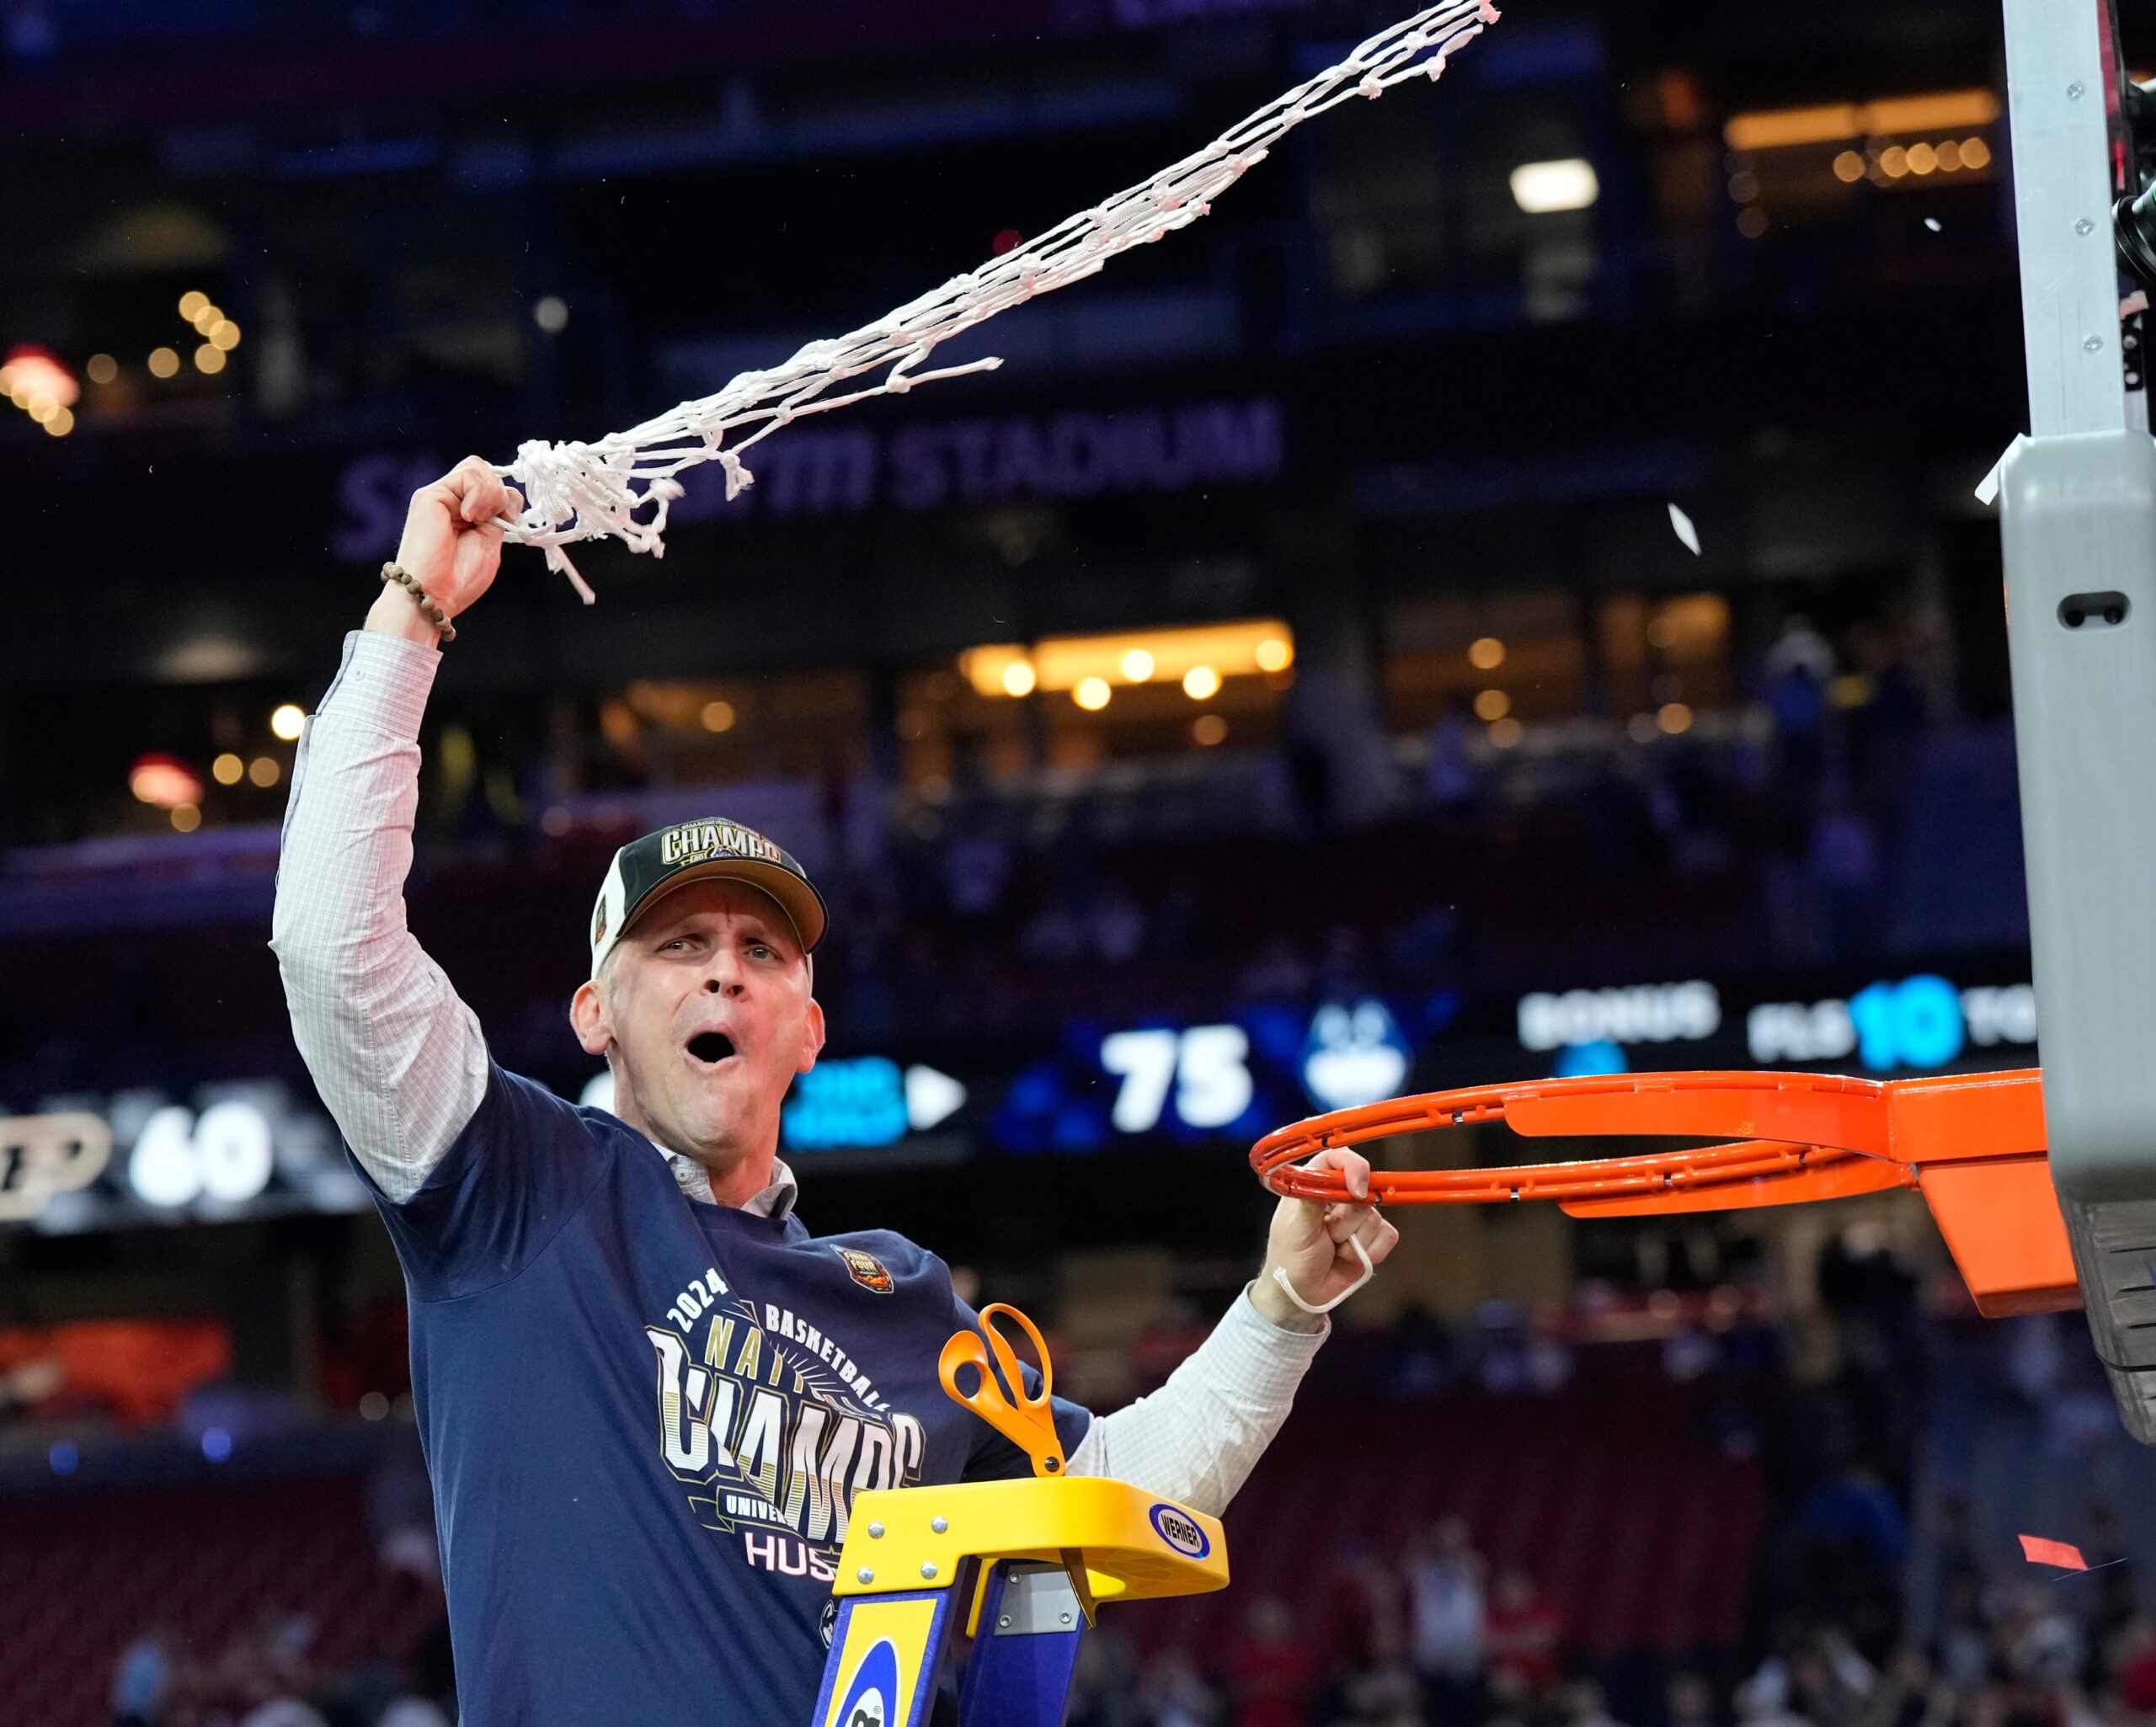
point(621, 485)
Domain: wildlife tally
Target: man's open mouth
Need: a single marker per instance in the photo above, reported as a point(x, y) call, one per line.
point(711, 1047)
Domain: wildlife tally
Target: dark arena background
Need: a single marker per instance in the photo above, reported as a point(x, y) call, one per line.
point(1503, 596)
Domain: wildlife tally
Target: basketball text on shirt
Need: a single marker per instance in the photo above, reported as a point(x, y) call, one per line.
point(779, 1427)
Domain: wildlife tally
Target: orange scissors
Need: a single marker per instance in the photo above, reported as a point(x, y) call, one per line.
point(1028, 1422)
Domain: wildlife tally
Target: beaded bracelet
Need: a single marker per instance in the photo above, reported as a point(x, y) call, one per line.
point(427, 608)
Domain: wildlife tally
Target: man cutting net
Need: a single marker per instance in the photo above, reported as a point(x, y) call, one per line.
point(648, 1393)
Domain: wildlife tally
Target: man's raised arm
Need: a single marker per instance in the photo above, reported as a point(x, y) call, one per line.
point(397, 1059)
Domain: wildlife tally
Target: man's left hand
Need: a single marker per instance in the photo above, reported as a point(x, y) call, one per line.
point(1310, 1243)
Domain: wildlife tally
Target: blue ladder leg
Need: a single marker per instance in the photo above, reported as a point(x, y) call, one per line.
point(1025, 1651)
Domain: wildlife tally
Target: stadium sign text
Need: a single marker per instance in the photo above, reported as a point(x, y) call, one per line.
point(814, 469)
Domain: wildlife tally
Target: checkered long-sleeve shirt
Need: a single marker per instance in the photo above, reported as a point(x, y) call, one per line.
point(401, 1064)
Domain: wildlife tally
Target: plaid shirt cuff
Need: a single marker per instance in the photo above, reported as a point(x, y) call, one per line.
point(1266, 1360)
point(383, 683)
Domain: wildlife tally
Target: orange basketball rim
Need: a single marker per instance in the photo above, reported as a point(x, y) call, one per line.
point(1973, 1145)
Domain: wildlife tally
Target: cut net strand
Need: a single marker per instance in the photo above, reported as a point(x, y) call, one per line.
point(621, 486)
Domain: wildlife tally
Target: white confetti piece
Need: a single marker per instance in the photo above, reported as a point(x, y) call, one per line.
point(1685, 531)
point(1932, 223)
point(1988, 487)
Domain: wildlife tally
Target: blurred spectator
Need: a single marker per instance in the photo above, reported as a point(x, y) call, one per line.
point(2041, 1640)
point(1444, 1579)
point(1339, 757)
point(1829, 1681)
point(976, 870)
point(1102, 1682)
point(1515, 1355)
point(1689, 1702)
point(1856, 1510)
point(1799, 647)
point(2135, 1654)
point(413, 1711)
point(1763, 1699)
point(1845, 866)
point(1547, 1362)
point(144, 1681)
point(276, 1676)
point(1383, 1694)
point(1584, 1705)
point(286, 1710)
point(1450, 776)
point(1115, 927)
point(401, 1510)
point(2118, 1591)
point(1420, 1361)
point(1522, 1633)
point(1959, 1566)
point(2035, 1357)
point(1798, 667)
point(1274, 1672)
point(1908, 1695)
point(1692, 807)
point(1962, 1648)
point(1363, 1620)
point(1174, 1694)
point(1892, 716)
point(283, 1710)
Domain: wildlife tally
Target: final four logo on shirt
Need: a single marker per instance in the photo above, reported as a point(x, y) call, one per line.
point(870, 1272)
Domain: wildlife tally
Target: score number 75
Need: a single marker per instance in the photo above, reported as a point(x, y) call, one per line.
point(1207, 1066)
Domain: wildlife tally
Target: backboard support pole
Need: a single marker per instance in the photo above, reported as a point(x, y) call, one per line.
point(2077, 517)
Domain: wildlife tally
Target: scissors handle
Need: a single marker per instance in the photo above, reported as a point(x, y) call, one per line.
point(1028, 1422)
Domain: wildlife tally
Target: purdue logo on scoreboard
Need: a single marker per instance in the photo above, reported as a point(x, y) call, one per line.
point(42, 1155)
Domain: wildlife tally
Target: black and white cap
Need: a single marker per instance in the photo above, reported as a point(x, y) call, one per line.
point(645, 871)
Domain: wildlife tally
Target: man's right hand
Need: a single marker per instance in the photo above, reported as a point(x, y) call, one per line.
point(452, 545)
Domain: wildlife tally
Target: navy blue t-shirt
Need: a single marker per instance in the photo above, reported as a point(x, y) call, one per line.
point(646, 1417)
